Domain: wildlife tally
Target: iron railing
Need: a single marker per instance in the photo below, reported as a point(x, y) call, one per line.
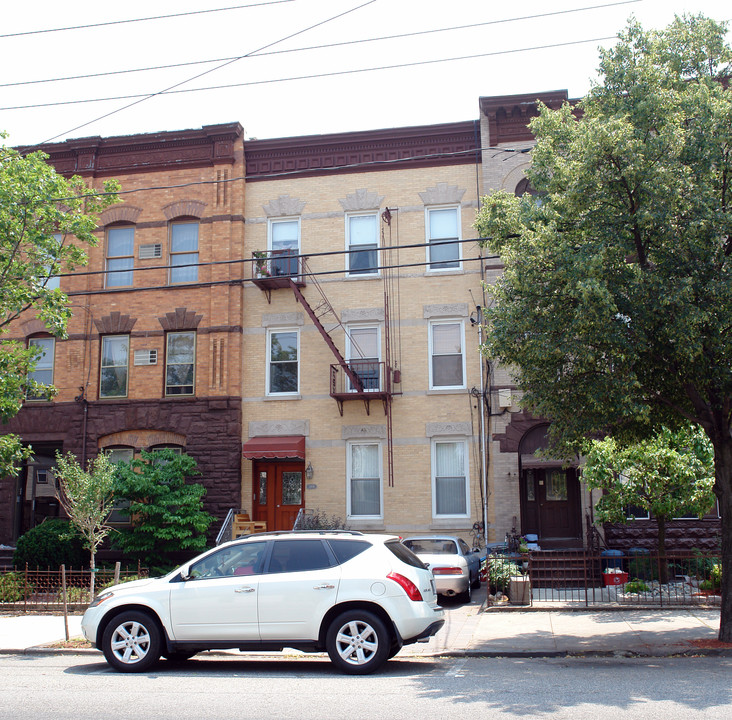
point(634, 578)
point(37, 589)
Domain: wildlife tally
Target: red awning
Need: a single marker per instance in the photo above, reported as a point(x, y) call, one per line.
point(281, 447)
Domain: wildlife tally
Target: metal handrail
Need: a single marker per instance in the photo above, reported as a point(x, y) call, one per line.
point(226, 527)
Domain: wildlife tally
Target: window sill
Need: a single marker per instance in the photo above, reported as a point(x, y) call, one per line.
point(365, 276)
point(295, 396)
point(446, 391)
point(451, 524)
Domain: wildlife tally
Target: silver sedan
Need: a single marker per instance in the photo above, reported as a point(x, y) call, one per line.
point(455, 567)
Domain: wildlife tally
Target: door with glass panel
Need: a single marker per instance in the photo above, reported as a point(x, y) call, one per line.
point(279, 493)
point(550, 501)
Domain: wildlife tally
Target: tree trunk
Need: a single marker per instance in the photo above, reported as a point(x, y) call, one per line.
point(662, 563)
point(92, 568)
point(723, 490)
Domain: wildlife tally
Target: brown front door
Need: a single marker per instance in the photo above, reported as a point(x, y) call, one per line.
point(279, 493)
point(550, 504)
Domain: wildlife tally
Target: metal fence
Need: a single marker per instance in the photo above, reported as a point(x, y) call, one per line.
point(636, 578)
point(37, 589)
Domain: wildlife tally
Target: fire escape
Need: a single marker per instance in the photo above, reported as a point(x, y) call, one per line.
point(358, 378)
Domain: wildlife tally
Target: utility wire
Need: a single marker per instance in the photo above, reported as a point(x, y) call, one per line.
point(136, 20)
point(398, 36)
point(211, 70)
point(335, 73)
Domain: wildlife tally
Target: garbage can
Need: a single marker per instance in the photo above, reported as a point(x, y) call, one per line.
point(612, 559)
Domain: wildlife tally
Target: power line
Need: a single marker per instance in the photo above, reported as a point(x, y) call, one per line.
point(335, 73)
point(136, 20)
point(211, 70)
point(398, 36)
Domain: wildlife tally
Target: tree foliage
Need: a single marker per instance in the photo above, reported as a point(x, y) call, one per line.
point(45, 222)
point(86, 496)
point(615, 308)
point(165, 511)
point(665, 476)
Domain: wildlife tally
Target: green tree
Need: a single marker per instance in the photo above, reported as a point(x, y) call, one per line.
point(668, 475)
point(615, 307)
point(165, 511)
point(45, 220)
point(86, 496)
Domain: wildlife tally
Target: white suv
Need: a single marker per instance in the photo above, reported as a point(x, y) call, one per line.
point(358, 597)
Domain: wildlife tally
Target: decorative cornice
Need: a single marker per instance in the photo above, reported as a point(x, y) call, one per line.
point(181, 319)
point(445, 310)
point(353, 432)
point(263, 428)
point(509, 115)
point(436, 429)
point(419, 146)
point(184, 208)
point(361, 200)
point(114, 324)
point(112, 156)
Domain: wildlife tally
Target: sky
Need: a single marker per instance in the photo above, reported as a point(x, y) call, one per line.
point(286, 68)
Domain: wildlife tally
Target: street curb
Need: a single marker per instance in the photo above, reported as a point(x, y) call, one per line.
point(517, 654)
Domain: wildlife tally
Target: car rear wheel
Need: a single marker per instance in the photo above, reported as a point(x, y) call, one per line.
point(358, 642)
point(466, 596)
point(476, 583)
point(131, 642)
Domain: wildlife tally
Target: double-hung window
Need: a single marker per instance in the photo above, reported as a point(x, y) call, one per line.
point(362, 242)
point(284, 245)
point(183, 252)
point(447, 360)
point(364, 480)
point(114, 366)
point(119, 455)
point(363, 356)
point(120, 252)
point(449, 478)
point(443, 238)
point(283, 362)
point(180, 363)
point(53, 282)
point(43, 373)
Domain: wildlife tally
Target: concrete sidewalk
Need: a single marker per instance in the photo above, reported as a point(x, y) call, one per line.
point(472, 630)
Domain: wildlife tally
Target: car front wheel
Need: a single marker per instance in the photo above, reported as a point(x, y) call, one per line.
point(131, 642)
point(358, 642)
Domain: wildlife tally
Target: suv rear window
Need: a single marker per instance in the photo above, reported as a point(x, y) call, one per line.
point(404, 554)
point(345, 550)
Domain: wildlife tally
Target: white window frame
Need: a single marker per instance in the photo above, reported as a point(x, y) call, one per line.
point(270, 333)
point(466, 474)
point(272, 262)
point(53, 282)
point(349, 478)
point(435, 266)
point(352, 352)
point(40, 366)
point(351, 249)
point(106, 338)
point(192, 255)
point(168, 363)
point(447, 321)
point(116, 277)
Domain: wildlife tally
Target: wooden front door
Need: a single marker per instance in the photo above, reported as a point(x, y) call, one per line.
point(550, 504)
point(279, 493)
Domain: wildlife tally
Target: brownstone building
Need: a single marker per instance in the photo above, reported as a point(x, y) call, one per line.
point(153, 351)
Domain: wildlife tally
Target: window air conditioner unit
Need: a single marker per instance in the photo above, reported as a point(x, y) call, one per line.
point(150, 252)
point(146, 357)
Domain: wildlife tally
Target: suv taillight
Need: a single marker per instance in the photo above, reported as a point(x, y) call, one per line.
point(409, 587)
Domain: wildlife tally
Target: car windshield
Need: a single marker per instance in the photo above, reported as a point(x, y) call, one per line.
point(432, 546)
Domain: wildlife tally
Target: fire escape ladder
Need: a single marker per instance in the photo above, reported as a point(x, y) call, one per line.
point(326, 308)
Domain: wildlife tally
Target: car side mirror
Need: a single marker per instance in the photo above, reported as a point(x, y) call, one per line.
point(184, 573)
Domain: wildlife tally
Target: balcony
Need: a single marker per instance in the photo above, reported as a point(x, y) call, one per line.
point(275, 269)
point(367, 380)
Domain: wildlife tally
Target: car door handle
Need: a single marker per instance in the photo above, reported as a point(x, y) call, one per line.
point(324, 586)
point(246, 588)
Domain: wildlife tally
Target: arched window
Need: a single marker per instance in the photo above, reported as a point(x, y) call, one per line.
point(120, 255)
point(184, 251)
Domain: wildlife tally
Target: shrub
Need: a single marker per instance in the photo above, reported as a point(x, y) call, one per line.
point(636, 586)
point(318, 520)
point(500, 572)
point(11, 587)
point(53, 543)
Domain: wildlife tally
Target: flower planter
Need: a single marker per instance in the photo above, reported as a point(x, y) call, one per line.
point(616, 578)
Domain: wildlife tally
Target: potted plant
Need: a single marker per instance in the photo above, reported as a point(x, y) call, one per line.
point(261, 260)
